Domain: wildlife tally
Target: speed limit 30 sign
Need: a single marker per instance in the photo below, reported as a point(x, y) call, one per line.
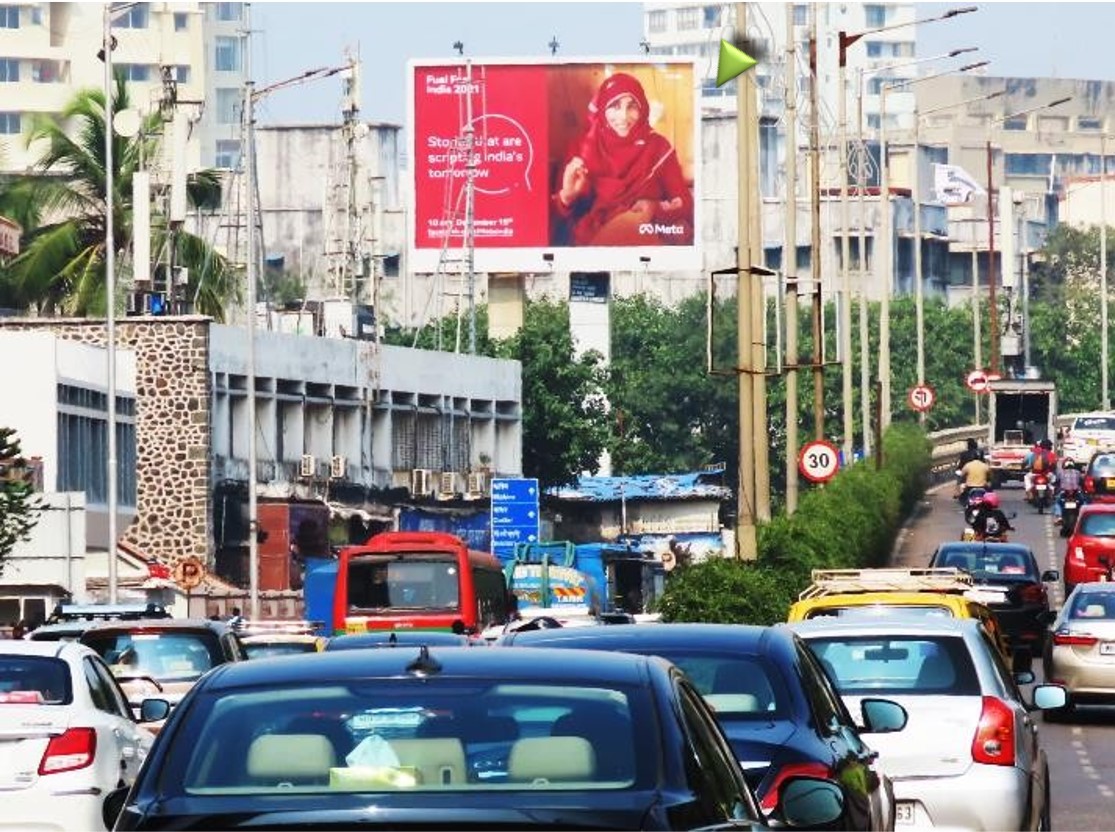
point(818, 460)
point(921, 397)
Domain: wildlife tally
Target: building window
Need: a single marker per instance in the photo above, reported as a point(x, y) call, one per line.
point(689, 18)
point(9, 17)
point(906, 49)
point(1016, 123)
point(182, 73)
point(229, 106)
point(48, 72)
point(229, 11)
point(10, 124)
point(875, 85)
point(228, 54)
point(712, 16)
point(228, 154)
point(134, 18)
point(1087, 123)
point(874, 49)
point(36, 15)
point(9, 70)
point(134, 72)
point(83, 443)
point(876, 15)
point(873, 121)
point(801, 14)
point(656, 21)
point(181, 21)
point(1028, 164)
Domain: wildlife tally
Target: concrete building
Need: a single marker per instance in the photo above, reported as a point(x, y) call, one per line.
point(350, 426)
point(50, 50)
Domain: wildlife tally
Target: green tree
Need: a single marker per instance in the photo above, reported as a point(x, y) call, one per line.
point(62, 267)
point(19, 508)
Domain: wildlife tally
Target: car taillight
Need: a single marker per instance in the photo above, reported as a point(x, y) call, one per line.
point(1089, 485)
point(1074, 640)
point(69, 751)
point(770, 799)
point(1032, 594)
point(994, 740)
point(1078, 553)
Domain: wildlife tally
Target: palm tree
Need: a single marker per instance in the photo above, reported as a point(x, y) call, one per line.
point(62, 266)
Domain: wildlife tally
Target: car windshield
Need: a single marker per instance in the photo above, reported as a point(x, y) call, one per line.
point(1093, 605)
point(992, 561)
point(1102, 465)
point(259, 650)
point(1094, 423)
point(163, 656)
point(867, 665)
point(1097, 524)
point(385, 638)
point(386, 582)
point(34, 680)
point(414, 735)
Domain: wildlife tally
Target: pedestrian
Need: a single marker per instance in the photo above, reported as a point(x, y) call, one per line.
point(237, 620)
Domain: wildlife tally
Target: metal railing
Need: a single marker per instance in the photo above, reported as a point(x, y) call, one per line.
point(948, 444)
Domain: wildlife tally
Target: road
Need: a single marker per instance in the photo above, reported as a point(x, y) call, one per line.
point(1081, 755)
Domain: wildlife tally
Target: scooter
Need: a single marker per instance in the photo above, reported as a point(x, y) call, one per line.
point(1070, 510)
point(971, 501)
point(1043, 490)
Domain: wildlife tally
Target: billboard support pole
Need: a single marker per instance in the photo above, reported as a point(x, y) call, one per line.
point(470, 209)
point(746, 543)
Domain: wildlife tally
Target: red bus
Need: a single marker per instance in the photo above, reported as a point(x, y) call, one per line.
point(418, 581)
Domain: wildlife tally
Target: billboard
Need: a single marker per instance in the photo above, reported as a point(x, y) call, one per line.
point(578, 165)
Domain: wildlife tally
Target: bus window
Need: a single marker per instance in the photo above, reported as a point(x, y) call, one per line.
point(491, 596)
point(421, 583)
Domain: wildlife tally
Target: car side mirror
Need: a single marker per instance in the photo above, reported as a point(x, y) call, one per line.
point(1050, 576)
point(809, 802)
point(153, 710)
point(1050, 697)
point(882, 716)
point(113, 805)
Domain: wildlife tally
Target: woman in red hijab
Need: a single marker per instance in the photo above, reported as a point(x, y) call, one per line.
point(624, 184)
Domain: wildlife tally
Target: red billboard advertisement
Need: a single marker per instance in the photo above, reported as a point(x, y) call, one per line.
point(574, 164)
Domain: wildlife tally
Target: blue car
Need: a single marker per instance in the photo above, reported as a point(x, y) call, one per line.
point(451, 738)
point(774, 701)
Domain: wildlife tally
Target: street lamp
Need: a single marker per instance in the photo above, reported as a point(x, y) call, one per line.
point(844, 41)
point(992, 280)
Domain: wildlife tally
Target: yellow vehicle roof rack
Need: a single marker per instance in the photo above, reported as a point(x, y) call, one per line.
point(846, 581)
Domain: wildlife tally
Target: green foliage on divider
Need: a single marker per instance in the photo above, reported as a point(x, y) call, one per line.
point(851, 522)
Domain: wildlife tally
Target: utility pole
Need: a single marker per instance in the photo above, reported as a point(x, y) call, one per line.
point(248, 155)
point(1104, 382)
point(919, 291)
point(352, 262)
point(110, 310)
point(746, 543)
point(790, 267)
point(470, 204)
point(864, 332)
point(884, 255)
point(815, 233)
point(845, 248)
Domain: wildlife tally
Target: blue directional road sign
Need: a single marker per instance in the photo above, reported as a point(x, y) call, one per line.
point(515, 516)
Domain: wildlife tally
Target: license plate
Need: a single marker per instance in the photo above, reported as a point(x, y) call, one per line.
point(1107, 648)
point(904, 812)
point(1093, 442)
point(984, 597)
point(1069, 506)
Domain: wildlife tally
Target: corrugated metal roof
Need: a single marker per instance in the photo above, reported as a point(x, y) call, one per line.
point(698, 485)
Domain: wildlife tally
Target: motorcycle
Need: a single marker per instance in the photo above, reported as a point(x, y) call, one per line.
point(1070, 510)
point(970, 535)
point(972, 499)
point(1043, 492)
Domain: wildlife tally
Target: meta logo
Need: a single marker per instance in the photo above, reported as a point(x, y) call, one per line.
point(658, 228)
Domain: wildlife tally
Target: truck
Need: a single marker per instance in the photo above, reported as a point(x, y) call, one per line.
point(1022, 411)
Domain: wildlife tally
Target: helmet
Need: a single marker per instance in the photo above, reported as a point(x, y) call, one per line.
point(1069, 463)
point(1047, 444)
point(991, 499)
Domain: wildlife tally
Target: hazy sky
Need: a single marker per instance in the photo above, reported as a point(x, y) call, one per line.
point(1067, 40)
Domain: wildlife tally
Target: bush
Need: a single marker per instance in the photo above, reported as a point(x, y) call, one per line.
point(851, 522)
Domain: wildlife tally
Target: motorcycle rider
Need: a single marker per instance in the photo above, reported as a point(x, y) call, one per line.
point(1068, 480)
point(975, 473)
point(1040, 460)
point(988, 520)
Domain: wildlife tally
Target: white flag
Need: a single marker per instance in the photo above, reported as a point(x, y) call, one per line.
point(953, 185)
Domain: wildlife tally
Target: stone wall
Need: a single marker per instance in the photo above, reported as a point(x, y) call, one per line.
point(173, 512)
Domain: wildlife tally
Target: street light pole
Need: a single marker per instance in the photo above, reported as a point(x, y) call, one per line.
point(110, 311)
point(249, 172)
point(1104, 381)
point(790, 268)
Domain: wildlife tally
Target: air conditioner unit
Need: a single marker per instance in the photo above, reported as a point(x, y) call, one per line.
point(447, 484)
point(477, 484)
point(309, 466)
point(421, 482)
point(338, 466)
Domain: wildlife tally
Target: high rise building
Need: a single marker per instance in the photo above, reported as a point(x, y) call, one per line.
point(191, 52)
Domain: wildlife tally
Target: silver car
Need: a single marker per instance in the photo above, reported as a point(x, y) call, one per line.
point(970, 756)
point(1080, 652)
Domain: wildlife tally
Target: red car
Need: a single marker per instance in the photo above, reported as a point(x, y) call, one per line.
point(1092, 539)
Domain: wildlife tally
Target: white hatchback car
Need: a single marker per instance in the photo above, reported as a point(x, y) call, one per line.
point(970, 755)
point(67, 735)
point(1089, 433)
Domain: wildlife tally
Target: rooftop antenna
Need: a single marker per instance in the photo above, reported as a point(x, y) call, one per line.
point(459, 45)
point(553, 44)
point(645, 46)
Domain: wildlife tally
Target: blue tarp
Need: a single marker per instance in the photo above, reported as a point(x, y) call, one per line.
point(700, 484)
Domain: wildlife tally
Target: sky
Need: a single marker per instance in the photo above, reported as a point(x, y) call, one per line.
point(1066, 40)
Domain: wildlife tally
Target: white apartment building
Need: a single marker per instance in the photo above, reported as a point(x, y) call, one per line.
point(191, 52)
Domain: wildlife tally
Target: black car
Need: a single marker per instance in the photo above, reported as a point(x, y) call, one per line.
point(1006, 579)
point(776, 705)
point(395, 638)
point(452, 738)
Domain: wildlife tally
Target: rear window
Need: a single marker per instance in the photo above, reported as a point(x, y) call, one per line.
point(411, 735)
point(898, 665)
point(1102, 465)
point(1093, 605)
point(737, 687)
point(278, 648)
point(1094, 423)
point(34, 680)
point(164, 656)
point(875, 610)
point(1097, 524)
point(992, 561)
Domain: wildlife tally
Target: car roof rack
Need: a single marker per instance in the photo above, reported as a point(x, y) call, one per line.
point(279, 626)
point(850, 581)
point(103, 612)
